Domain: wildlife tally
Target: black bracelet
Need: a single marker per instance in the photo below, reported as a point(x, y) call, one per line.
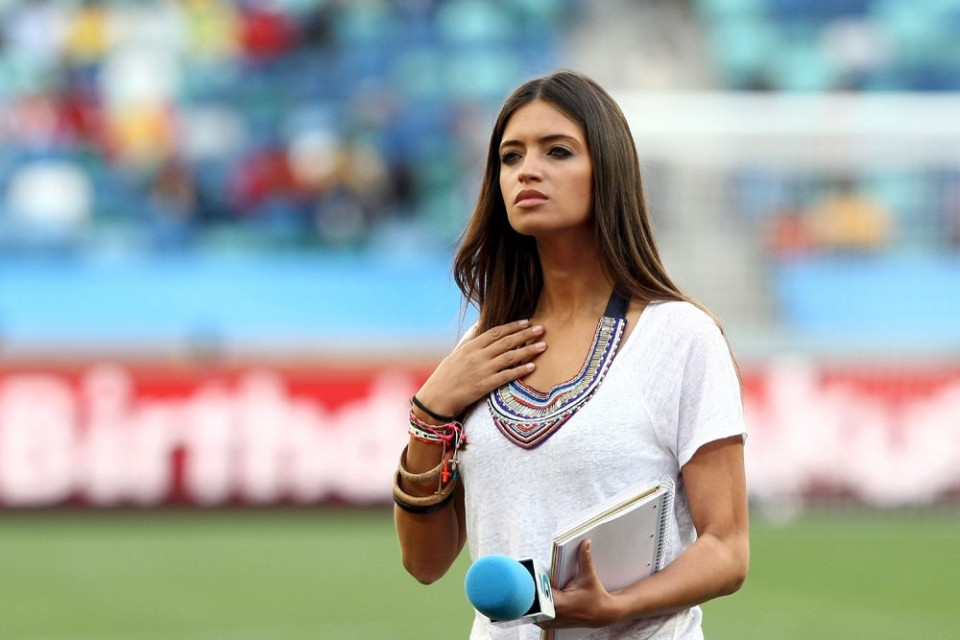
point(435, 416)
point(410, 508)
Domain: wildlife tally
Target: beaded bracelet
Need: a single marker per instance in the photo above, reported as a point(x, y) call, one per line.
point(450, 434)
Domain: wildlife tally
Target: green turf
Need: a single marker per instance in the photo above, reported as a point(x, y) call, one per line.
point(215, 575)
point(336, 574)
point(871, 575)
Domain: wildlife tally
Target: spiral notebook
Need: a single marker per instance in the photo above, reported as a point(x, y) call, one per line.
point(629, 532)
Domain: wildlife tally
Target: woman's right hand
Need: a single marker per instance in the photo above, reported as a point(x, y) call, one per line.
point(480, 364)
point(430, 543)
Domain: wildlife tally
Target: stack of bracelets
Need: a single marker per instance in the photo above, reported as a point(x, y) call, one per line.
point(450, 437)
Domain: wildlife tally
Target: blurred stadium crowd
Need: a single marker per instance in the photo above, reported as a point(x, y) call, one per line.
point(823, 45)
point(207, 124)
point(199, 124)
point(204, 128)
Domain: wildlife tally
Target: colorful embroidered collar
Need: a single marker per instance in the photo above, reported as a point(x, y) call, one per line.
point(528, 417)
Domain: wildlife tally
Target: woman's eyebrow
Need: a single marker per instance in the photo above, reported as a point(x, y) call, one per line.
point(553, 137)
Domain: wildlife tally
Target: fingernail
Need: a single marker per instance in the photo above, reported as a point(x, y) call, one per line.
point(538, 329)
point(540, 346)
point(530, 366)
point(524, 322)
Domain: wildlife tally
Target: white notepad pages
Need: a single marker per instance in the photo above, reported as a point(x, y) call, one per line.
point(629, 533)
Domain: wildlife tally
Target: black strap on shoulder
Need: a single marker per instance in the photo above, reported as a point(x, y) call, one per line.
point(617, 307)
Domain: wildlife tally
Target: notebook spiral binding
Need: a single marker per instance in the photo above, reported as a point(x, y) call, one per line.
point(666, 519)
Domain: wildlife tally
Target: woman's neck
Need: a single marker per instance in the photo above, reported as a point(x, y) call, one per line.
point(574, 283)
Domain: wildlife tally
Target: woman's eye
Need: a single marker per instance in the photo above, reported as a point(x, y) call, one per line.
point(560, 152)
point(509, 157)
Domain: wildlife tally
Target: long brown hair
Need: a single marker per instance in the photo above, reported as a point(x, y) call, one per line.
point(498, 269)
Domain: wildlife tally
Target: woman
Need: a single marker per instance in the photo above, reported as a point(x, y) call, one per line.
point(559, 409)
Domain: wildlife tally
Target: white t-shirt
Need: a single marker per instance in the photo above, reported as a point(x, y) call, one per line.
point(671, 388)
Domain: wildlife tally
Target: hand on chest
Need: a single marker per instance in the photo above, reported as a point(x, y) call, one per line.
point(568, 348)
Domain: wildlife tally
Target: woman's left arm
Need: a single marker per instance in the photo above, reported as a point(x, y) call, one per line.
point(715, 565)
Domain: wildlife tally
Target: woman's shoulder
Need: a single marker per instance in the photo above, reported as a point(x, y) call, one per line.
point(668, 328)
point(681, 318)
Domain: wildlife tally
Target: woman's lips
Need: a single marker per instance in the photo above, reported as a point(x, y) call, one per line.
point(530, 198)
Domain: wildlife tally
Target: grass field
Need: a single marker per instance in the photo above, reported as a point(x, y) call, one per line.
point(313, 574)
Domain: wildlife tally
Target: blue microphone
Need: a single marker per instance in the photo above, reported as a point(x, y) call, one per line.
point(507, 590)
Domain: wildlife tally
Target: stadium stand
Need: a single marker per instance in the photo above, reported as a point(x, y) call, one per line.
point(137, 135)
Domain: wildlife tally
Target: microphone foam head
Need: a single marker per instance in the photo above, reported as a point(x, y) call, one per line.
point(500, 587)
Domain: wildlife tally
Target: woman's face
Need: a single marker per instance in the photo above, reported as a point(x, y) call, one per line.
point(546, 175)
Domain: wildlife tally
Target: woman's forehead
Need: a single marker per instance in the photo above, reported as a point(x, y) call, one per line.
point(539, 118)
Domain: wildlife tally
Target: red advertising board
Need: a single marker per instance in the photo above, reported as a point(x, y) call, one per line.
point(109, 435)
point(882, 434)
point(114, 435)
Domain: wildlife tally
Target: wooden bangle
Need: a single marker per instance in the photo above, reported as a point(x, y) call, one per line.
point(440, 497)
point(422, 504)
point(410, 508)
point(417, 478)
point(423, 501)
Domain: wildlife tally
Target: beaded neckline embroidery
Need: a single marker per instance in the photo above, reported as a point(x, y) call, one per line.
point(528, 417)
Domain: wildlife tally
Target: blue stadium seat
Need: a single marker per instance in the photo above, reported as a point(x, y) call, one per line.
point(741, 48)
point(731, 8)
point(474, 22)
point(817, 10)
point(802, 67)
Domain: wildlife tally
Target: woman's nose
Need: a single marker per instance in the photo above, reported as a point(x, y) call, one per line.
point(531, 169)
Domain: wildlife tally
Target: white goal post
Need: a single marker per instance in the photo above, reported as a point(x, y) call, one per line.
point(699, 150)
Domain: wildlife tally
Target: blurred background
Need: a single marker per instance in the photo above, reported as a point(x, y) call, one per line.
point(225, 240)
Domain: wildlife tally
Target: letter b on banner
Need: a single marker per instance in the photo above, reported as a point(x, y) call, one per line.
point(37, 441)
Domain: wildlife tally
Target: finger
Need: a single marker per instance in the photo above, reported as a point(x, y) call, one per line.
point(586, 572)
point(514, 341)
point(495, 334)
point(510, 374)
point(515, 357)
